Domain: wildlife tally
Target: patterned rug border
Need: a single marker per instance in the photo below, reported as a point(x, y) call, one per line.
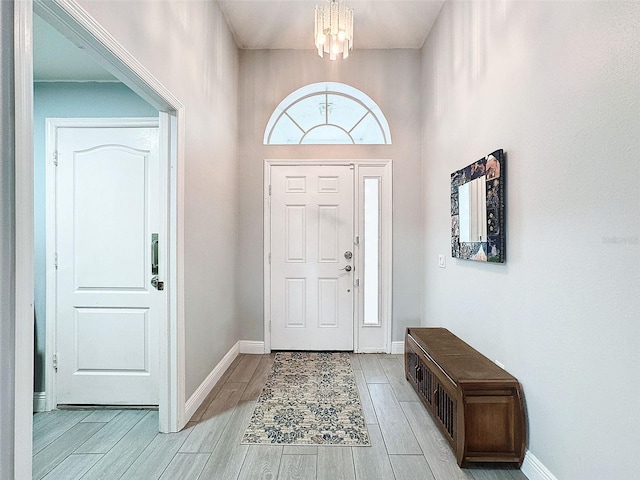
point(355, 435)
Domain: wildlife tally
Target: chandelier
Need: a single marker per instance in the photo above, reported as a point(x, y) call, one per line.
point(334, 29)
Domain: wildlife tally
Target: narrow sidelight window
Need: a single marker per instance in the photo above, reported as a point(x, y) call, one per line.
point(372, 251)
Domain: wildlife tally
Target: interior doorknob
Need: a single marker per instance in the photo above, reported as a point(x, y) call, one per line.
point(347, 268)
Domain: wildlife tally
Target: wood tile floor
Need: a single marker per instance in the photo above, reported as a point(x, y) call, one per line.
point(125, 444)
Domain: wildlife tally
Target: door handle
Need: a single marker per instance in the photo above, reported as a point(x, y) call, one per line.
point(157, 284)
point(154, 254)
point(347, 268)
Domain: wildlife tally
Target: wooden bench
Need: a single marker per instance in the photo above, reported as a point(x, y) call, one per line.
point(477, 405)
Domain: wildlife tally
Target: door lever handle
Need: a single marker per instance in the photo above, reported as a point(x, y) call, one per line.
point(347, 268)
point(154, 254)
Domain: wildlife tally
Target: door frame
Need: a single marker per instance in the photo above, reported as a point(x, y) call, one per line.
point(22, 323)
point(73, 21)
point(68, 17)
point(51, 190)
point(385, 167)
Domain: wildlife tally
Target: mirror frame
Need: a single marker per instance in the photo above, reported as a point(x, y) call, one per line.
point(493, 166)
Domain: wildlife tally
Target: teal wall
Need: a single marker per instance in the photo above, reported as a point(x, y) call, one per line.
point(67, 100)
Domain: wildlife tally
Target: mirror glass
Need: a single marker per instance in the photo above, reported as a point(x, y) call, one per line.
point(477, 210)
point(472, 198)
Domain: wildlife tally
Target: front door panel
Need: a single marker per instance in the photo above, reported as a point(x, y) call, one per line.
point(311, 278)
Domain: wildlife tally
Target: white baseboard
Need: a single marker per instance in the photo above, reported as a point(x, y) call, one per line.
point(251, 347)
point(39, 402)
point(397, 348)
point(534, 469)
point(205, 387)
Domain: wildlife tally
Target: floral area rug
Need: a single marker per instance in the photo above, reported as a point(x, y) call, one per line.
point(310, 398)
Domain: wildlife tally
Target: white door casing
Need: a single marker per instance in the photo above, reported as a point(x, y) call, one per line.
point(311, 279)
point(108, 204)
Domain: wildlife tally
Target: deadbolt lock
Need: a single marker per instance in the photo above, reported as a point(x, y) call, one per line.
point(348, 255)
point(157, 284)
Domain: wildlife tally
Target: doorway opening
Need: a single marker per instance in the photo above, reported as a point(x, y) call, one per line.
point(104, 198)
point(77, 26)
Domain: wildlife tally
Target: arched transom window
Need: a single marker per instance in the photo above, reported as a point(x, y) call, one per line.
point(327, 113)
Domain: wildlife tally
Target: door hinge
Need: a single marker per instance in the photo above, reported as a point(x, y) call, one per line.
point(55, 362)
point(269, 259)
point(55, 158)
point(269, 189)
point(55, 260)
point(356, 240)
point(357, 282)
point(352, 166)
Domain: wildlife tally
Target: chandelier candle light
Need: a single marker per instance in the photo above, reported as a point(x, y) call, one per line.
point(334, 29)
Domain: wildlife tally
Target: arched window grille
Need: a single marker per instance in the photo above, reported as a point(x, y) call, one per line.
point(327, 113)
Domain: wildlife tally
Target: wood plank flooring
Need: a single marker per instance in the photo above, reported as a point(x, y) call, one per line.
point(125, 444)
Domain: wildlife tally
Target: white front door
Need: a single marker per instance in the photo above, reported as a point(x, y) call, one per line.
point(107, 312)
point(311, 276)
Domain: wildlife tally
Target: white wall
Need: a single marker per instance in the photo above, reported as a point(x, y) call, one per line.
point(556, 84)
point(266, 78)
point(187, 46)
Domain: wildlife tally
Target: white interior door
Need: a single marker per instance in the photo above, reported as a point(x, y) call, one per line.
point(107, 312)
point(311, 276)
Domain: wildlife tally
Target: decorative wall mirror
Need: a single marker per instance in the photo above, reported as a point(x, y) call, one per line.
point(477, 210)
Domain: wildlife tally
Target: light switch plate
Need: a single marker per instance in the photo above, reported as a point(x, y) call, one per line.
point(441, 261)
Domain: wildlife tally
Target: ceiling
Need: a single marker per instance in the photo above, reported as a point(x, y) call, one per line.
point(288, 24)
point(258, 24)
point(55, 58)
